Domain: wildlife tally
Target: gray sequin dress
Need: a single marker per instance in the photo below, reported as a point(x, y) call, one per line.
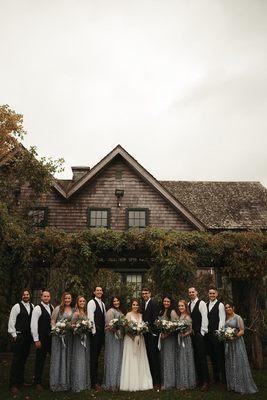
point(113, 354)
point(185, 364)
point(80, 362)
point(167, 357)
point(238, 373)
point(60, 357)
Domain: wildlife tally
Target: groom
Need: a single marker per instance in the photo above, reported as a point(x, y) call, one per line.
point(96, 313)
point(150, 311)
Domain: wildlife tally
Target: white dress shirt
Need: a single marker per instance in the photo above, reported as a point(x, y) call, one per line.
point(35, 318)
point(15, 310)
point(204, 314)
point(146, 303)
point(221, 312)
point(91, 307)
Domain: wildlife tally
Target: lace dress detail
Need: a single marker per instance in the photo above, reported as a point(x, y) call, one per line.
point(135, 371)
point(185, 364)
point(60, 358)
point(80, 362)
point(113, 354)
point(238, 373)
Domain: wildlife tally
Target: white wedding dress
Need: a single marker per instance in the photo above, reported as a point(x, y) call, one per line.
point(135, 372)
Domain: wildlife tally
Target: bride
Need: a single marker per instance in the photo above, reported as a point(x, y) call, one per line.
point(135, 372)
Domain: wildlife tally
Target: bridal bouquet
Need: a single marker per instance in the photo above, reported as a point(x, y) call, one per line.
point(136, 328)
point(61, 328)
point(225, 334)
point(82, 326)
point(165, 326)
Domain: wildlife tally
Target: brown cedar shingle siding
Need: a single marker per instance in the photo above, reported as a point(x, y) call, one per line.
point(71, 214)
point(171, 204)
point(223, 205)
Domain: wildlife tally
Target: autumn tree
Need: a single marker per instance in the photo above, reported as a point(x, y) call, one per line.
point(19, 165)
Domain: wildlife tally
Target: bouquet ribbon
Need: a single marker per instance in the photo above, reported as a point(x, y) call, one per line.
point(83, 340)
point(159, 342)
point(63, 341)
point(117, 335)
point(180, 340)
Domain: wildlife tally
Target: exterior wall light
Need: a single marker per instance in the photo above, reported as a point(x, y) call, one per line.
point(119, 193)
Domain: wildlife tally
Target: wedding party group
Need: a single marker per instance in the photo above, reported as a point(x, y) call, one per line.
point(161, 346)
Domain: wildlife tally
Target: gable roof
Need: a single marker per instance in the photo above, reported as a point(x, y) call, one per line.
point(223, 205)
point(146, 176)
point(207, 205)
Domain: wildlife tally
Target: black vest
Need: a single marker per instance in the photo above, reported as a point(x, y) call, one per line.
point(196, 317)
point(213, 317)
point(99, 317)
point(23, 321)
point(44, 323)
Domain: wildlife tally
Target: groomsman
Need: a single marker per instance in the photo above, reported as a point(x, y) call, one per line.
point(198, 312)
point(216, 318)
point(19, 327)
point(150, 312)
point(97, 314)
point(41, 328)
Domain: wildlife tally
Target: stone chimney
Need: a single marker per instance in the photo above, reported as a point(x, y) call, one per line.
point(78, 172)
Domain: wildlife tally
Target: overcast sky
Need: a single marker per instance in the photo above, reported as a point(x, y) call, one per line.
point(180, 84)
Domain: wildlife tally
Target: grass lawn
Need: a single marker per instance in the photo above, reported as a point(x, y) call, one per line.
point(216, 392)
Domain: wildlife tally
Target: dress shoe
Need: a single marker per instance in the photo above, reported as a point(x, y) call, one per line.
point(14, 390)
point(97, 387)
point(204, 387)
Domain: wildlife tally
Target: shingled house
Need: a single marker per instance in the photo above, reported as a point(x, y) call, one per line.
point(119, 193)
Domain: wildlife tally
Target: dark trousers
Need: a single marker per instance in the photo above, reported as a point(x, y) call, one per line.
point(200, 357)
point(153, 357)
point(96, 344)
point(21, 349)
point(215, 350)
point(40, 357)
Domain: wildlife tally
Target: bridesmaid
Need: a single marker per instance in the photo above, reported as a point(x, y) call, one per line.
point(61, 351)
point(168, 344)
point(185, 364)
point(80, 361)
point(113, 349)
point(238, 374)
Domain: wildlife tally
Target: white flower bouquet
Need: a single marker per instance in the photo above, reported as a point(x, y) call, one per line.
point(117, 324)
point(226, 334)
point(133, 328)
point(61, 328)
point(82, 327)
point(183, 325)
point(165, 326)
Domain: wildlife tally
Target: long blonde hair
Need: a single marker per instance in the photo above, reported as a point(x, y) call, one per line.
point(186, 306)
point(77, 304)
point(62, 304)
